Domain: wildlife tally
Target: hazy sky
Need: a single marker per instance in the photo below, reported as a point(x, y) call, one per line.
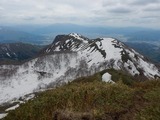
point(144, 13)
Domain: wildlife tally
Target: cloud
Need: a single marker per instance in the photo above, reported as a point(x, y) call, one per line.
point(145, 2)
point(152, 8)
point(1, 8)
point(85, 12)
point(29, 18)
point(151, 17)
point(120, 10)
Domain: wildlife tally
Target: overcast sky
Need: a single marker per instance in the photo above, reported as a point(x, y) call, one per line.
point(144, 13)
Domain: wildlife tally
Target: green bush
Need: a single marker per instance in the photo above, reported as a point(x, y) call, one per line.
point(97, 98)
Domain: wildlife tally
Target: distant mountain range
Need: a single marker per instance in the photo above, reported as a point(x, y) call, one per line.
point(142, 39)
point(121, 33)
point(128, 33)
point(8, 35)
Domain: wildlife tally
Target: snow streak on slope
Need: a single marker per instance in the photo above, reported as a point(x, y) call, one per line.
point(2, 115)
point(69, 57)
point(12, 108)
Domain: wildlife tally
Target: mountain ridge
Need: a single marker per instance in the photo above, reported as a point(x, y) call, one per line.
point(69, 58)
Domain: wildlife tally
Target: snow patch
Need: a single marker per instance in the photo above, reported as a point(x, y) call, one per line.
point(12, 108)
point(8, 54)
point(48, 50)
point(107, 78)
point(131, 68)
point(77, 36)
point(29, 97)
point(15, 54)
point(149, 69)
point(57, 48)
point(2, 115)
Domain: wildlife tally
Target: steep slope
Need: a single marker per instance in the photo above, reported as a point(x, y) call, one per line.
point(17, 51)
point(69, 57)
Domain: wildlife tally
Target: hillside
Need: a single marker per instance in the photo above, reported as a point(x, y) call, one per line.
point(89, 98)
point(16, 52)
point(70, 57)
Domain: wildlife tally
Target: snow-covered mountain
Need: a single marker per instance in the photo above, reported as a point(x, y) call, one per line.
point(69, 57)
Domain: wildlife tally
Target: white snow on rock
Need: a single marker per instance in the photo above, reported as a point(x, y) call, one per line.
point(12, 108)
point(107, 78)
point(131, 68)
point(77, 36)
point(2, 115)
point(28, 97)
point(150, 69)
point(8, 54)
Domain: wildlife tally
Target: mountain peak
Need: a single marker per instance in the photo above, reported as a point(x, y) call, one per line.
point(65, 43)
point(78, 36)
point(74, 34)
point(101, 50)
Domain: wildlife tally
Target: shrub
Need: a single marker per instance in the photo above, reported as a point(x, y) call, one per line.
point(152, 109)
point(99, 99)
